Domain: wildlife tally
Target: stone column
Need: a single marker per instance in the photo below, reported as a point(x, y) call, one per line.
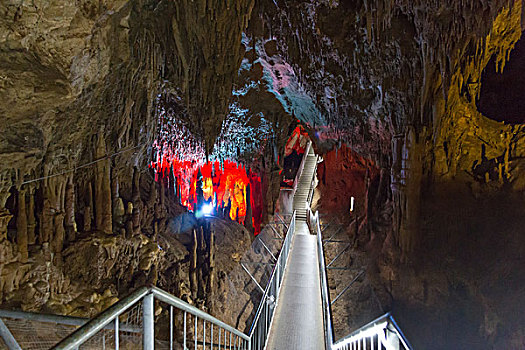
point(21, 226)
point(69, 204)
point(31, 220)
point(103, 215)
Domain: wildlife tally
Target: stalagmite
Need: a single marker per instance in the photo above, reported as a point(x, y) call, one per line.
point(193, 265)
point(117, 202)
point(46, 219)
point(135, 218)
point(57, 242)
point(71, 226)
point(5, 217)
point(201, 262)
point(88, 214)
point(21, 226)
point(211, 271)
point(103, 215)
point(31, 220)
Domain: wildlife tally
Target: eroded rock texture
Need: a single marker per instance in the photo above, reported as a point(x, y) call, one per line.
point(82, 221)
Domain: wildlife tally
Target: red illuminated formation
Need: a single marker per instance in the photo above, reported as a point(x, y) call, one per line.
point(294, 149)
point(223, 185)
point(297, 141)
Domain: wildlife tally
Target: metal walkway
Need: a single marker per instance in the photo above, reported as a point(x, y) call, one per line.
point(298, 319)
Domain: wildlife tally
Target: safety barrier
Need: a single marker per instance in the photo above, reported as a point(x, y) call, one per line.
point(381, 334)
point(264, 316)
point(219, 335)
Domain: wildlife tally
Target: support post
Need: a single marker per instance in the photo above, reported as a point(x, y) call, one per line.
point(8, 338)
point(148, 312)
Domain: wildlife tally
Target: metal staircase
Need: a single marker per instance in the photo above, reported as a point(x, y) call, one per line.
point(294, 312)
point(301, 200)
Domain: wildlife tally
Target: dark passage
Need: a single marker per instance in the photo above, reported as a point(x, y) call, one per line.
point(502, 96)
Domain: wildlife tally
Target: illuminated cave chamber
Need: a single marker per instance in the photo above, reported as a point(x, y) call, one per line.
point(230, 189)
point(502, 96)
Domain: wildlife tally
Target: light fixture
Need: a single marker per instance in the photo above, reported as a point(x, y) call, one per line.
point(207, 209)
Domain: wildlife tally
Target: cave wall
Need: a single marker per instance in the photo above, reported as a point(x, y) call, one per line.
point(79, 87)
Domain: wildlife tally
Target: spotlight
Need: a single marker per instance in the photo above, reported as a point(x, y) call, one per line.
point(207, 209)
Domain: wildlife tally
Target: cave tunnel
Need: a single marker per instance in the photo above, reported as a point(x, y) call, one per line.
point(265, 174)
point(502, 95)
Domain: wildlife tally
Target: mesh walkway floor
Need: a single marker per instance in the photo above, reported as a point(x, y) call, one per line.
point(298, 320)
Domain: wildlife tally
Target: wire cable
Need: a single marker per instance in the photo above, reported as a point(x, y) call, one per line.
point(82, 166)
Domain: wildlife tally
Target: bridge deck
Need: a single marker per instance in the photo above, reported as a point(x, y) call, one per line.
point(298, 320)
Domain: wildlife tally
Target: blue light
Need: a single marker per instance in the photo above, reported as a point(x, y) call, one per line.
point(207, 209)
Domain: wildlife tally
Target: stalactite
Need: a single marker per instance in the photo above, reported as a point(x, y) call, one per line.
point(136, 202)
point(410, 193)
point(117, 203)
point(69, 203)
point(368, 203)
point(5, 215)
point(135, 195)
point(21, 226)
point(248, 221)
point(103, 210)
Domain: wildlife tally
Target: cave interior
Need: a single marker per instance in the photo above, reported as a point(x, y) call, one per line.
point(154, 142)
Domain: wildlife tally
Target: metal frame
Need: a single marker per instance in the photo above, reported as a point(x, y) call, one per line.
point(8, 338)
point(325, 295)
point(146, 296)
point(382, 332)
point(59, 319)
point(263, 318)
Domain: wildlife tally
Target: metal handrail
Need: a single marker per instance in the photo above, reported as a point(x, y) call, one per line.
point(59, 319)
point(264, 317)
point(327, 315)
point(384, 330)
point(146, 295)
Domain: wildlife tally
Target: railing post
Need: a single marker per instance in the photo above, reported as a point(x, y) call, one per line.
point(148, 338)
point(8, 338)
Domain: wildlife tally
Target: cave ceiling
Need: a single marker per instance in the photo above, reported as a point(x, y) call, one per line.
point(358, 72)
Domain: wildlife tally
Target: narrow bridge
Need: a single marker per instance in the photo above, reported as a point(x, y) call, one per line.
point(294, 312)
